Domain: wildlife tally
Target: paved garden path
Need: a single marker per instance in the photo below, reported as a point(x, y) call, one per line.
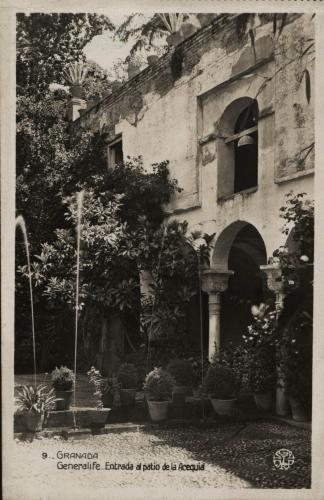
point(231, 456)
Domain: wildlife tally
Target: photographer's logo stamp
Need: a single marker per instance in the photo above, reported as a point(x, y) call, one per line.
point(283, 459)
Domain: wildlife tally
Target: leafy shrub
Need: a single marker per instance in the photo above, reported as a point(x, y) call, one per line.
point(181, 370)
point(158, 385)
point(35, 399)
point(234, 357)
point(62, 379)
point(102, 386)
point(258, 353)
point(295, 356)
point(220, 382)
point(128, 376)
point(260, 373)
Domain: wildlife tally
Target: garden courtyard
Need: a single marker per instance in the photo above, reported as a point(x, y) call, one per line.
point(163, 305)
point(199, 452)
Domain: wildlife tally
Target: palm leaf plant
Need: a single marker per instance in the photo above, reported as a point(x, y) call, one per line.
point(33, 405)
point(35, 399)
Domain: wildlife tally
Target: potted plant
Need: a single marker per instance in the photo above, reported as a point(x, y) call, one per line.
point(104, 398)
point(128, 379)
point(220, 387)
point(158, 387)
point(261, 381)
point(105, 389)
point(33, 404)
point(199, 368)
point(259, 356)
point(260, 374)
point(182, 372)
point(296, 363)
point(63, 381)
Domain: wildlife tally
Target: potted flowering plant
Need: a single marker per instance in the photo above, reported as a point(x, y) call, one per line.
point(295, 363)
point(33, 404)
point(102, 393)
point(62, 382)
point(158, 387)
point(105, 389)
point(221, 388)
point(259, 374)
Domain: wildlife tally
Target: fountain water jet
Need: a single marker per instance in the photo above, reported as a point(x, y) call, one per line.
point(20, 221)
point(80, 197)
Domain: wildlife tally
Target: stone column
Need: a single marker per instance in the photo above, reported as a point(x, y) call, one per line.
point(275, 283)
point(214, 282)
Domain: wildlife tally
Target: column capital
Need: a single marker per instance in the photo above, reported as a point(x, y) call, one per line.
point(215, 280)
point(274, 277)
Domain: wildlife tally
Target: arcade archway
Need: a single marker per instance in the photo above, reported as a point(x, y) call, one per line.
point(234, 282)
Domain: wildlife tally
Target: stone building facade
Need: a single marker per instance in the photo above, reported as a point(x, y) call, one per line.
point(228, 108)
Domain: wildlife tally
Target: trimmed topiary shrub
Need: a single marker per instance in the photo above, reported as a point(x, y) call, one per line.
point(158, 385)
point(62, 379)
point(220, 382)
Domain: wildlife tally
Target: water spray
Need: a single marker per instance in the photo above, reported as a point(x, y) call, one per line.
point(20, 221)
point(80, 197)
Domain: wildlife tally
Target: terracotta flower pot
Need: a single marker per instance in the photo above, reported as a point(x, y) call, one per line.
point(64, 400)
point(263, 400)
point(98, 417)
point(223, 407)
point(33, 421)
point(158, 410)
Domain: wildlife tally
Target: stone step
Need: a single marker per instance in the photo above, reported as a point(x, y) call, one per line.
point(192, 409)
point(80, 417)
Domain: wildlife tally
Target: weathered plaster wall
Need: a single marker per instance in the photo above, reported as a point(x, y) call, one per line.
point(167, 109)
point(294, 114)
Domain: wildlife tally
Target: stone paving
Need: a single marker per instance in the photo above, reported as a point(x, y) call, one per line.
point(231, 456)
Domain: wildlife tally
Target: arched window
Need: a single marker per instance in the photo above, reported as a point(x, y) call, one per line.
point(238, 147)
point(246, 149)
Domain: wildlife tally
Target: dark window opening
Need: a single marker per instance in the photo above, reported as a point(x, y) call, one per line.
point(246, 149)
point(115, 156)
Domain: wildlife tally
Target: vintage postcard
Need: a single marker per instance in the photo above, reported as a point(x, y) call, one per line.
point(162, 221)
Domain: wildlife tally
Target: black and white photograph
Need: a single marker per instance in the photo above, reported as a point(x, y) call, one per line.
point(162, 220)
